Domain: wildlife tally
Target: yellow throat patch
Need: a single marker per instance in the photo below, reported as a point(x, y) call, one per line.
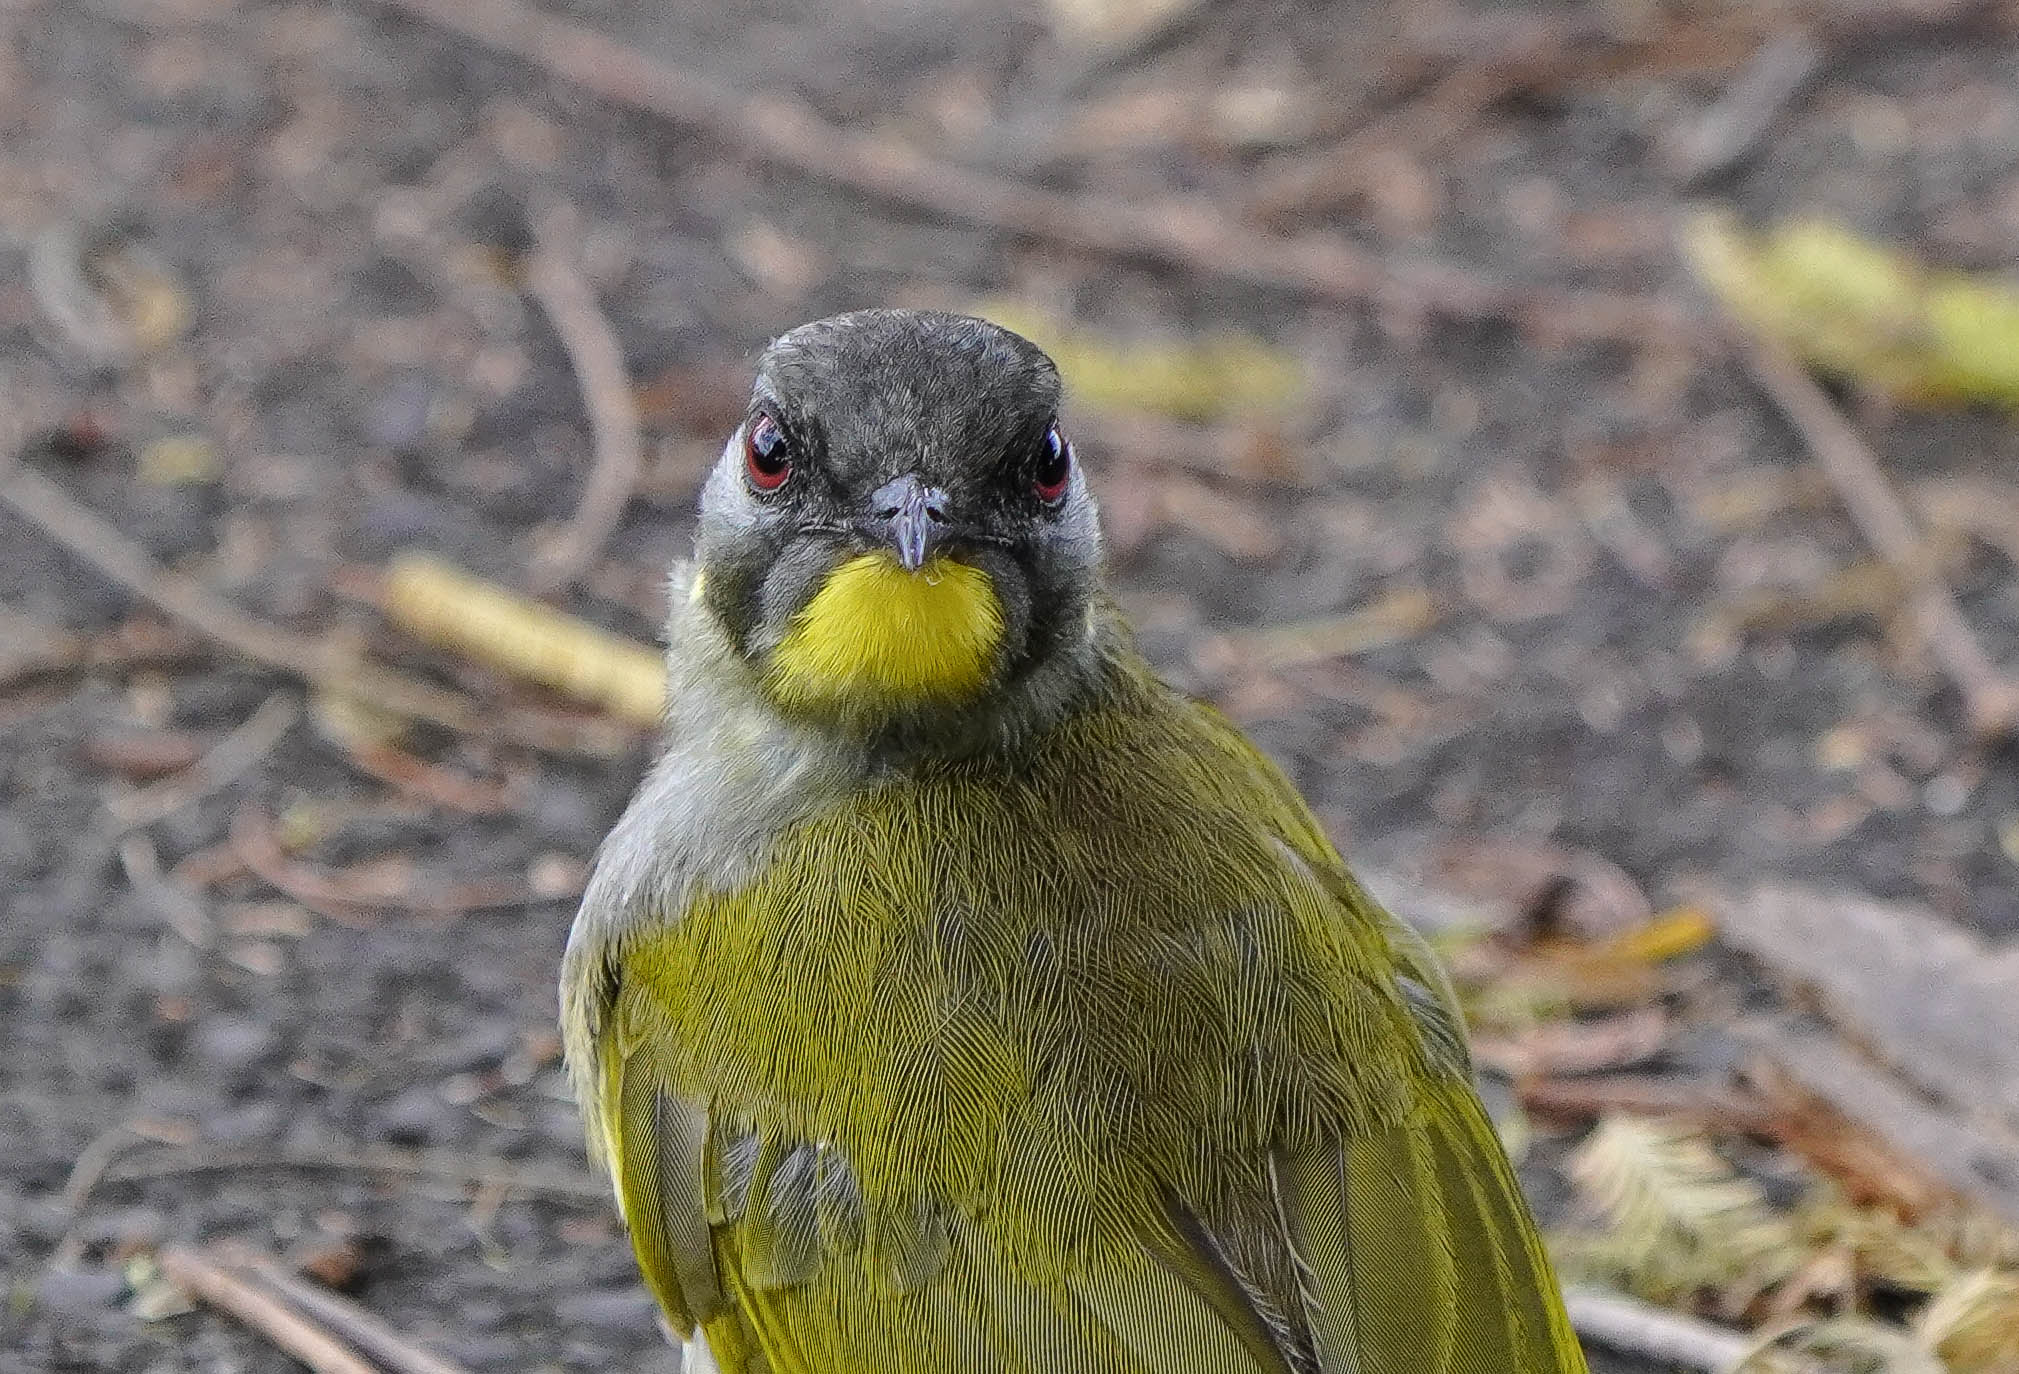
point(876, 635)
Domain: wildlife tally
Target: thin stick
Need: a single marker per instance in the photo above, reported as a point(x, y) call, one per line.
point(1990, 696)
point(179, 906)
point(361, 1328)
point(91, 538)
point(1587, 1097)
point(224, 763)
point(1729, 132)
point(573, 1185)
point(86, 1172)
point(337, 895)
point(433, 783)
point(1424, 126)
point(1188, 233)
point(204, 1279)
point(1636, 1328)
point(607, 395)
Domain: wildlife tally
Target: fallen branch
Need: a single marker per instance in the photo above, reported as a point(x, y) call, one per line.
point(1185, 233)
point(1633, 1327)
point(325, 664)
point(1990, 696)
point(205, 1279)
point(607, 396)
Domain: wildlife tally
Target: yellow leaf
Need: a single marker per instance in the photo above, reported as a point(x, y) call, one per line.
point(179, 460)
point(1864, 310)
point(1221, 374)
point(515, 634)
point(1678, 931)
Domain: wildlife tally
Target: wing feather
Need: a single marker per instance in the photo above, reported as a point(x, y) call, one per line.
point(658, 1152)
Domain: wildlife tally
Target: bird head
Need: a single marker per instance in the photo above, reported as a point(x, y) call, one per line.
point(899, 533)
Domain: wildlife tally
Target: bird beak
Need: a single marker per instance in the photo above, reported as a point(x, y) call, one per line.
point(912, 516)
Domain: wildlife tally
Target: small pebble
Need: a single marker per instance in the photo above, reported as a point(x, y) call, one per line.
point(418, 1116)
point(233, 1042)
point(1945, 794)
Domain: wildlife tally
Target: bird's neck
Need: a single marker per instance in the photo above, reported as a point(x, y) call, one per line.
point(737, 770)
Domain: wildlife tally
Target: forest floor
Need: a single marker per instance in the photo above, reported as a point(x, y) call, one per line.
point(1621, 625)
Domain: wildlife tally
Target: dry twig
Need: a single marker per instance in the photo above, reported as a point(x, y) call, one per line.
point(1185, 233)
point(564, 1184)
point(1990, 696)
point(354, 898)
point(326, 664)
point(1709, 1106)
point(607, 395)
point(202, 1277)
point(223, 764)
point(1320, 179)
point(502, 629)
point(30, 650)
point(89, 1169)
point(178, 905)
point(433, 783)
point(350, 1321)
point(1730, 130)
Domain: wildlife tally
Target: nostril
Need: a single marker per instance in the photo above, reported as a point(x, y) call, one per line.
point(936, 511)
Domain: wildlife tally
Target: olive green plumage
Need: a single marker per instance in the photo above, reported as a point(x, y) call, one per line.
point(1065, 1044)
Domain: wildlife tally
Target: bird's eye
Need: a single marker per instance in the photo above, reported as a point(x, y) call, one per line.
point(767, 458)
point(1055, 466)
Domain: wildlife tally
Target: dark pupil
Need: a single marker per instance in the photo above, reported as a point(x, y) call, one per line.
point(767, 446)
point(1052, 467)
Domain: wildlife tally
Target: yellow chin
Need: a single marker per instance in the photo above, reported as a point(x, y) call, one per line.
point(877, 637)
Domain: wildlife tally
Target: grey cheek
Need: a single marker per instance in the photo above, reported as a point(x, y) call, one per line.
point(723, 495)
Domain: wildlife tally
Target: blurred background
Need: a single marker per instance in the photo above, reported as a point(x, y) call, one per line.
point(1575, 438)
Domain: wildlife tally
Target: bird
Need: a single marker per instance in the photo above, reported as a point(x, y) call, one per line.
point(956, 995)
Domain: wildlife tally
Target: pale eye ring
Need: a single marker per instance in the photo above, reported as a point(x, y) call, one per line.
point(1054, 470)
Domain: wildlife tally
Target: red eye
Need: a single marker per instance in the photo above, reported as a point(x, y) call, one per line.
point(767, 459)
point(1055, 467)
